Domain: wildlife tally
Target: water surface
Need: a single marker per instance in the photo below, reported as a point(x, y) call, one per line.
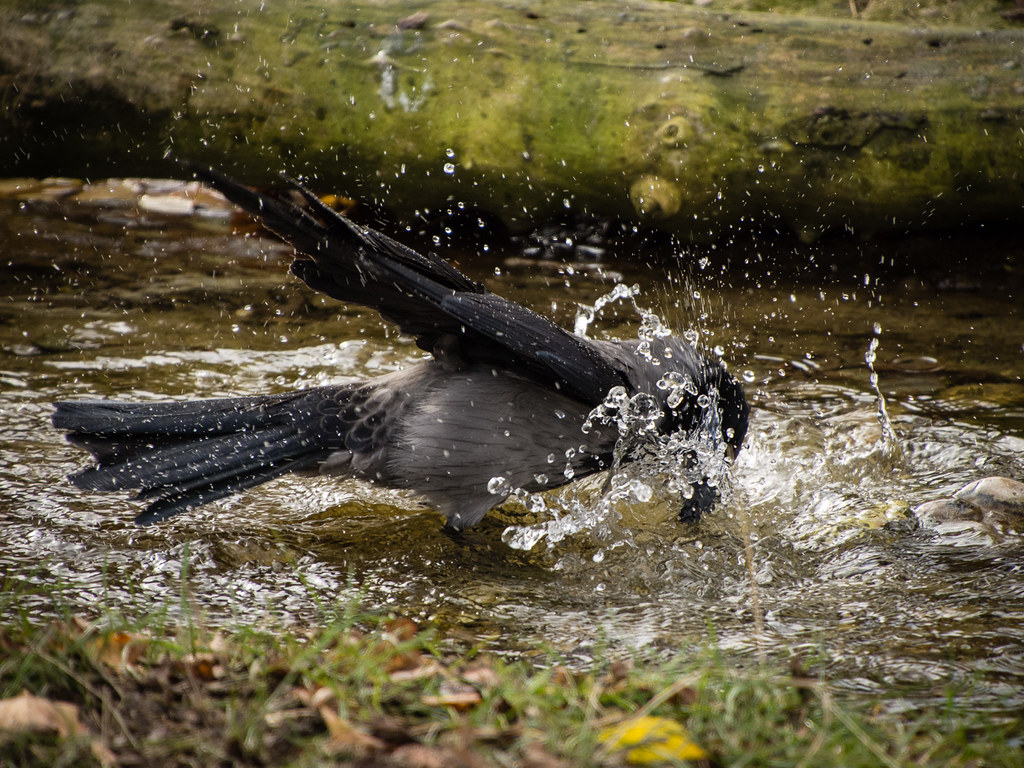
point(815, 549)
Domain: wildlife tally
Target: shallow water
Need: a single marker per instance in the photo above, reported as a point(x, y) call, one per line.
point(815, 549)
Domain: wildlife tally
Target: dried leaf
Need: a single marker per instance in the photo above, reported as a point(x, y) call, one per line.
point(103, 755)
point(536, 755)
point(322, 697)
point(118, 649)
point(347, 738)
point(564, 677)
point(204, 666)
point(457, 695)
point(400, 630)
point(481, 676)
point(405, 661)
point(618, 672)
point(393, 730)
point(426, 668)
point(26, 713)
point(419, 756)
point(396, 632)
point(650, 739)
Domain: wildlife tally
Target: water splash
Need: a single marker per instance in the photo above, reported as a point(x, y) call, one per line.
point(890, 442)
point(651, 325)
point(585, 314)
point(641, 452)
point(646, 464)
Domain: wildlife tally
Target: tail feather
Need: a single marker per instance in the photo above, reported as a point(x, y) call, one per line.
point(205, 491)
point(176, 462)
point(180, 455)
point(112, 418)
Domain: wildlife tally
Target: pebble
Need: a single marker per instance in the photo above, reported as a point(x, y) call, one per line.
point(993, 501)
point(167, 197)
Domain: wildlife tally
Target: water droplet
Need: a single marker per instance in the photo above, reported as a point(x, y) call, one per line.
point(748, 376)
point(499, 486)
point(641, 491)
point(450, 152)
point(449, 168)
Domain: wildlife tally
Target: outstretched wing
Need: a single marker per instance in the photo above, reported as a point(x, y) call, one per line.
point(425, 296)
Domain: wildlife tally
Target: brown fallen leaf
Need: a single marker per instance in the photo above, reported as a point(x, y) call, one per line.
point(26, 713)
point(118, 649)
point(205, 666)
point(565, 677)
point(482, 676)
point(400, 630)
point(421, 756)
point(346, 738)
point(453, 694)
point(618, 672)
point(393, 730)
point(396, 632)
point(536, 755)
point(402, 662)
point(426, 668)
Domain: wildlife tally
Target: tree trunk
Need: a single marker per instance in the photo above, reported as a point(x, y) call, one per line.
point(698, 121)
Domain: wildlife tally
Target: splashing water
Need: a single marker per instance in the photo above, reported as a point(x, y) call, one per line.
point(641, 452)
point(890, 443)
point(643, 459)
point(585, 315)
point(651, 325)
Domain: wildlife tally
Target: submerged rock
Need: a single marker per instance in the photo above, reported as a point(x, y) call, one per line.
point(993, 501)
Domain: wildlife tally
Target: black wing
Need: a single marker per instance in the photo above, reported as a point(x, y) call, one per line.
point(425, 296)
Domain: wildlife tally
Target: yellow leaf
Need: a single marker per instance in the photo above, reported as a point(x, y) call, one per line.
point(649, 739)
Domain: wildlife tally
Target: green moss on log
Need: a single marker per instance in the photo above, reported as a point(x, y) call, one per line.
point(696, 121)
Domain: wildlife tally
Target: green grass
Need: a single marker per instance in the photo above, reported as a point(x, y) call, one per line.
point(365, 689)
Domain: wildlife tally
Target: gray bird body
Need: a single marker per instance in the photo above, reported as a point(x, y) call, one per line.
point(501, 405)
point(458, 432)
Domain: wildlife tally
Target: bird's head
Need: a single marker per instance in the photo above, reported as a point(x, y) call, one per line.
point(686, 413)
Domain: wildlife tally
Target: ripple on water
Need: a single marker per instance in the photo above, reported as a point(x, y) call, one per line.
point(813, 541)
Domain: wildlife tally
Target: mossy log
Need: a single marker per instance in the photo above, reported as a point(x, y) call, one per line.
point(698, 121)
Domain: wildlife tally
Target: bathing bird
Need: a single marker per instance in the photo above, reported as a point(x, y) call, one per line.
point(505, 394)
